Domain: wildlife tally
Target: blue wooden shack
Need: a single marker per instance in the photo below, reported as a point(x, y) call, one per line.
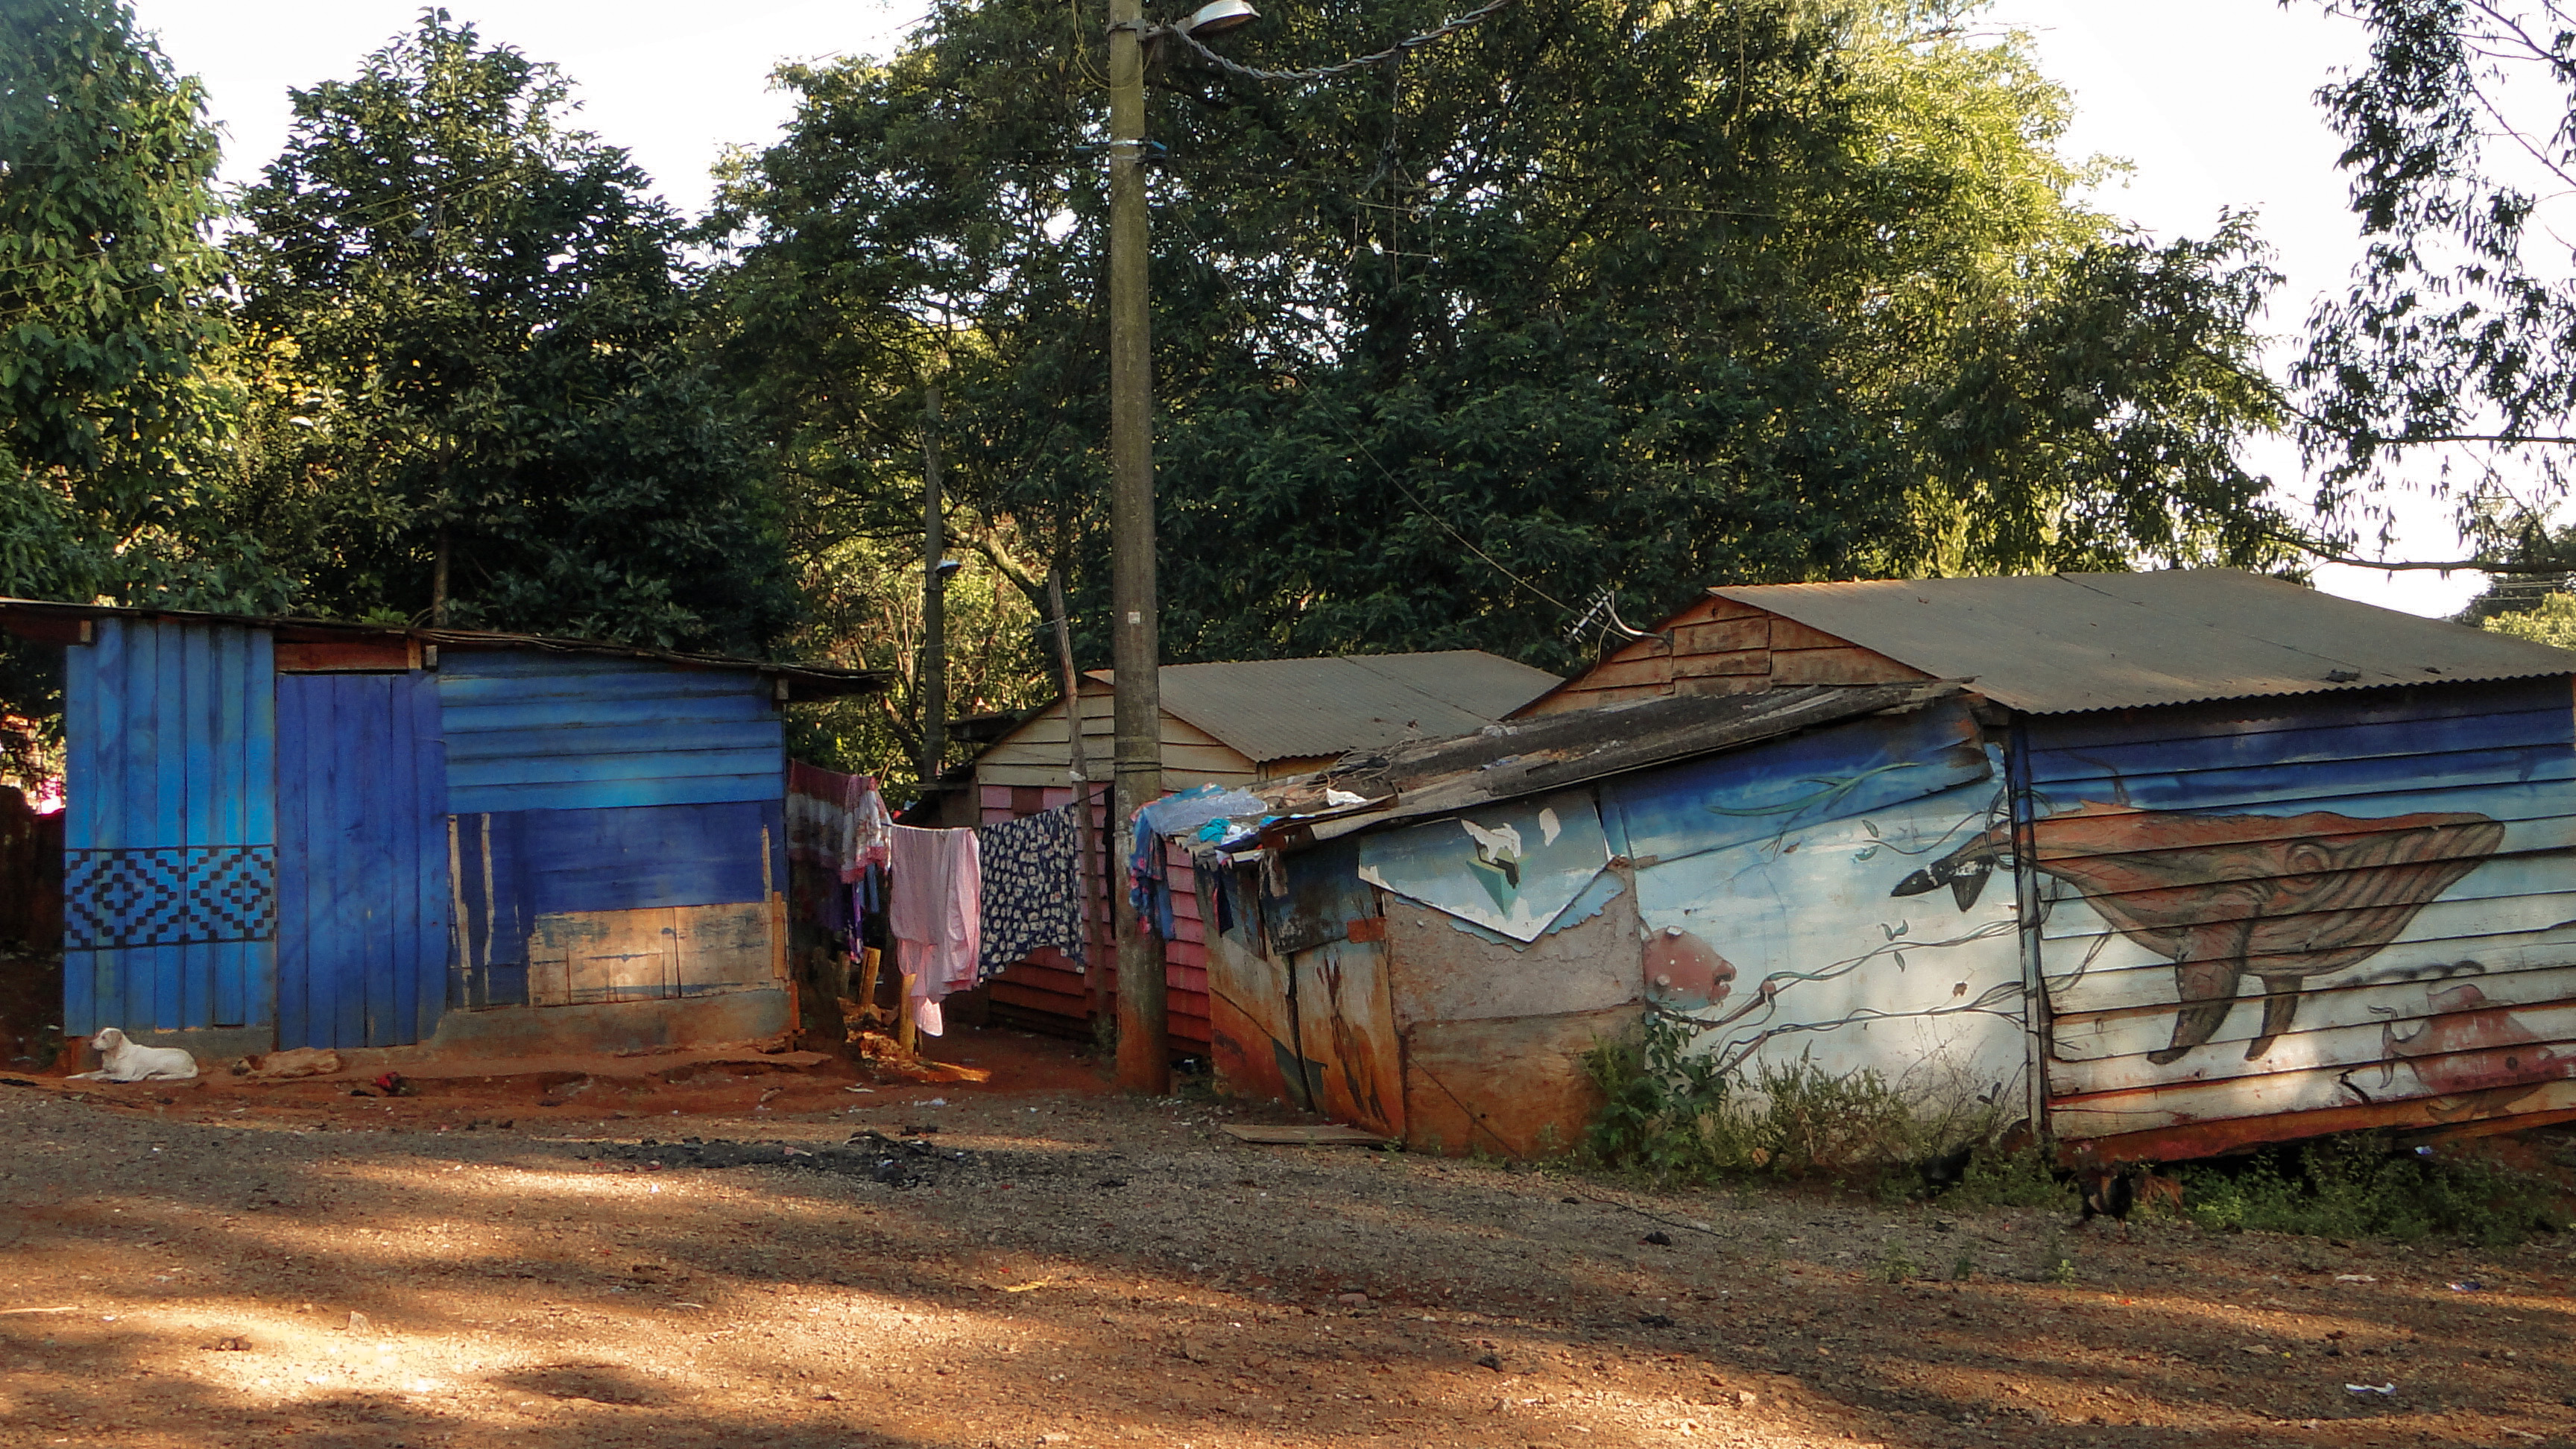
point(295, 833)
point(2164, 864)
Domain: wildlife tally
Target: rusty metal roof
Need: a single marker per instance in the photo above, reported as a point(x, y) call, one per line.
point(1572, 747)
point(1285, 709)
point(2065, 643)
point(804, 681)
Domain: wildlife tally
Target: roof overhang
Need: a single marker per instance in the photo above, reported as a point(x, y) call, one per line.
point(61, 623)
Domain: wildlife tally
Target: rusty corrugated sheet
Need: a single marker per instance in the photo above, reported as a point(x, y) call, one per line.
point(1283, 709)
point(1548, 752)
point(2060, 643)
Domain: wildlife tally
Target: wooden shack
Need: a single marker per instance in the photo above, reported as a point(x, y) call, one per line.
point(1223, 724)
point(2164, 863)
point(293, 833)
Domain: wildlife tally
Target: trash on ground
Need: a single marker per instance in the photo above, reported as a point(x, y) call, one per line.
point(873, 1155)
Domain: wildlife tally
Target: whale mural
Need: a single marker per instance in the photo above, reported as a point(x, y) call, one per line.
point(2285, 898)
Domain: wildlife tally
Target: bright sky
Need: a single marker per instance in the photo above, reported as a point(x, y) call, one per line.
point(2209, 99)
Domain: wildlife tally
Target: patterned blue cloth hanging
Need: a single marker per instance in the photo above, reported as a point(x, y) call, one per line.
point(1032, 889)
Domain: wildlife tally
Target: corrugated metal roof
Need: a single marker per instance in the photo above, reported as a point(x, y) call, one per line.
point(1283, 709)
point(2063, 643)
point(805, 681)
point(1553, 751)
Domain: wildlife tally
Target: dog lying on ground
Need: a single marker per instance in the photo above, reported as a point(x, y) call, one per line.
point(123, 1060)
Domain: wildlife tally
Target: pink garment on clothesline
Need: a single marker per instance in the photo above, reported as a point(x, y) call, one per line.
point(835, 821)
point(935, 911)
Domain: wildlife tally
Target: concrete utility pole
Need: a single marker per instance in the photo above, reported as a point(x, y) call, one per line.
point(934, 597)
point(1144, 1061)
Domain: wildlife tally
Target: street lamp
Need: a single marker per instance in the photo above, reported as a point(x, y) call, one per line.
point(1144, 1062)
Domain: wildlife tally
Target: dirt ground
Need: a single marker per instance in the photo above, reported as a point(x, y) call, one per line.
point(501, 1263)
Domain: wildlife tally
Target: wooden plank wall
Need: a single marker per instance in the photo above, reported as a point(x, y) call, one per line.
point(363, 915)
point(2398, 864)
point(1718, 646)
point(1048, 990)
point(1035, 754)
point(170, 838)
point(516, 868)
point(528, 730)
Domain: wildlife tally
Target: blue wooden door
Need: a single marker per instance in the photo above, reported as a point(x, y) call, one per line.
point(170, 860)
point(362, 886)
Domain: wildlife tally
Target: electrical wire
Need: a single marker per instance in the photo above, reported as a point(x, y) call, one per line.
point(1406, 46)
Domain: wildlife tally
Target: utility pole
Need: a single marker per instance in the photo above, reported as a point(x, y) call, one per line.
point(1144, 1063)
point(934, 597)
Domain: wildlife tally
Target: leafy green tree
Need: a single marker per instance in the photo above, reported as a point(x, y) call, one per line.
point(475, 398)
point(2449, 364)
point(109, 315)
point(1589, 296)
point(2551, 621)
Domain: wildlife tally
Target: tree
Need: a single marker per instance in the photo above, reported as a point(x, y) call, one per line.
point(477, 400)
point(109, 313)
point(1589, 296)
point(2450, 363)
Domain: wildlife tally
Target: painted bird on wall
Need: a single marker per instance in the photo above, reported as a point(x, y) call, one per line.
point(2282, 897)
point(1498, 860)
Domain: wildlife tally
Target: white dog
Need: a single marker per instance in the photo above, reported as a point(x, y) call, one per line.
point(124, 1061)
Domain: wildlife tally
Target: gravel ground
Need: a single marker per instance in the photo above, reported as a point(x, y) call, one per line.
point(220, 1264)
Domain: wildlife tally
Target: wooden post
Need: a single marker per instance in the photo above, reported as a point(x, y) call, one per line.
point(870, 959)
point(1095, 969)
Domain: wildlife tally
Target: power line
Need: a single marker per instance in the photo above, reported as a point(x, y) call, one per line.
point(1402, 47)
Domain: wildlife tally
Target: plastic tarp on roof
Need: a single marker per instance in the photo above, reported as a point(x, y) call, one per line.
point(2063, 643)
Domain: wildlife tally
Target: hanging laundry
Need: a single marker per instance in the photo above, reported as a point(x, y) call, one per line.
point(935, 912)
point(1032, 888)
point(834, 821)
point(1180, 814)
point(837, 828)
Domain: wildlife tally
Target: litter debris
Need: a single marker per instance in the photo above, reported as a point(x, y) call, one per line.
point(2355, 1278)
point(1659, 1238)
point(872, 1155)
point(2470, 1286)
point(2383, 1390)
point(395, 1084)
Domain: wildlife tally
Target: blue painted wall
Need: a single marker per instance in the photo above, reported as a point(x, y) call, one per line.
point(516, 865)
point(362, 843)
point(536, 731)
point(170, 839)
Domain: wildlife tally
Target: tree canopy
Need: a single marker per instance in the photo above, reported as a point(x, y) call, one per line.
point(1589, 296)
point(475, 332)
point(2449, 364)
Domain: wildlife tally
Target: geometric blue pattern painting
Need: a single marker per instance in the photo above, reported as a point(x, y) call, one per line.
point(174, 895)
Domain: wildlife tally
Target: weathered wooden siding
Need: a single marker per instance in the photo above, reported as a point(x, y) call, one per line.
point(2397, 867)
point(1718, 646)
point(655, 953)
point(363, 917)
point(1036, 755)
point(515, 868)
point(537, 731)
point(170, 837)
point(1765, 887)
